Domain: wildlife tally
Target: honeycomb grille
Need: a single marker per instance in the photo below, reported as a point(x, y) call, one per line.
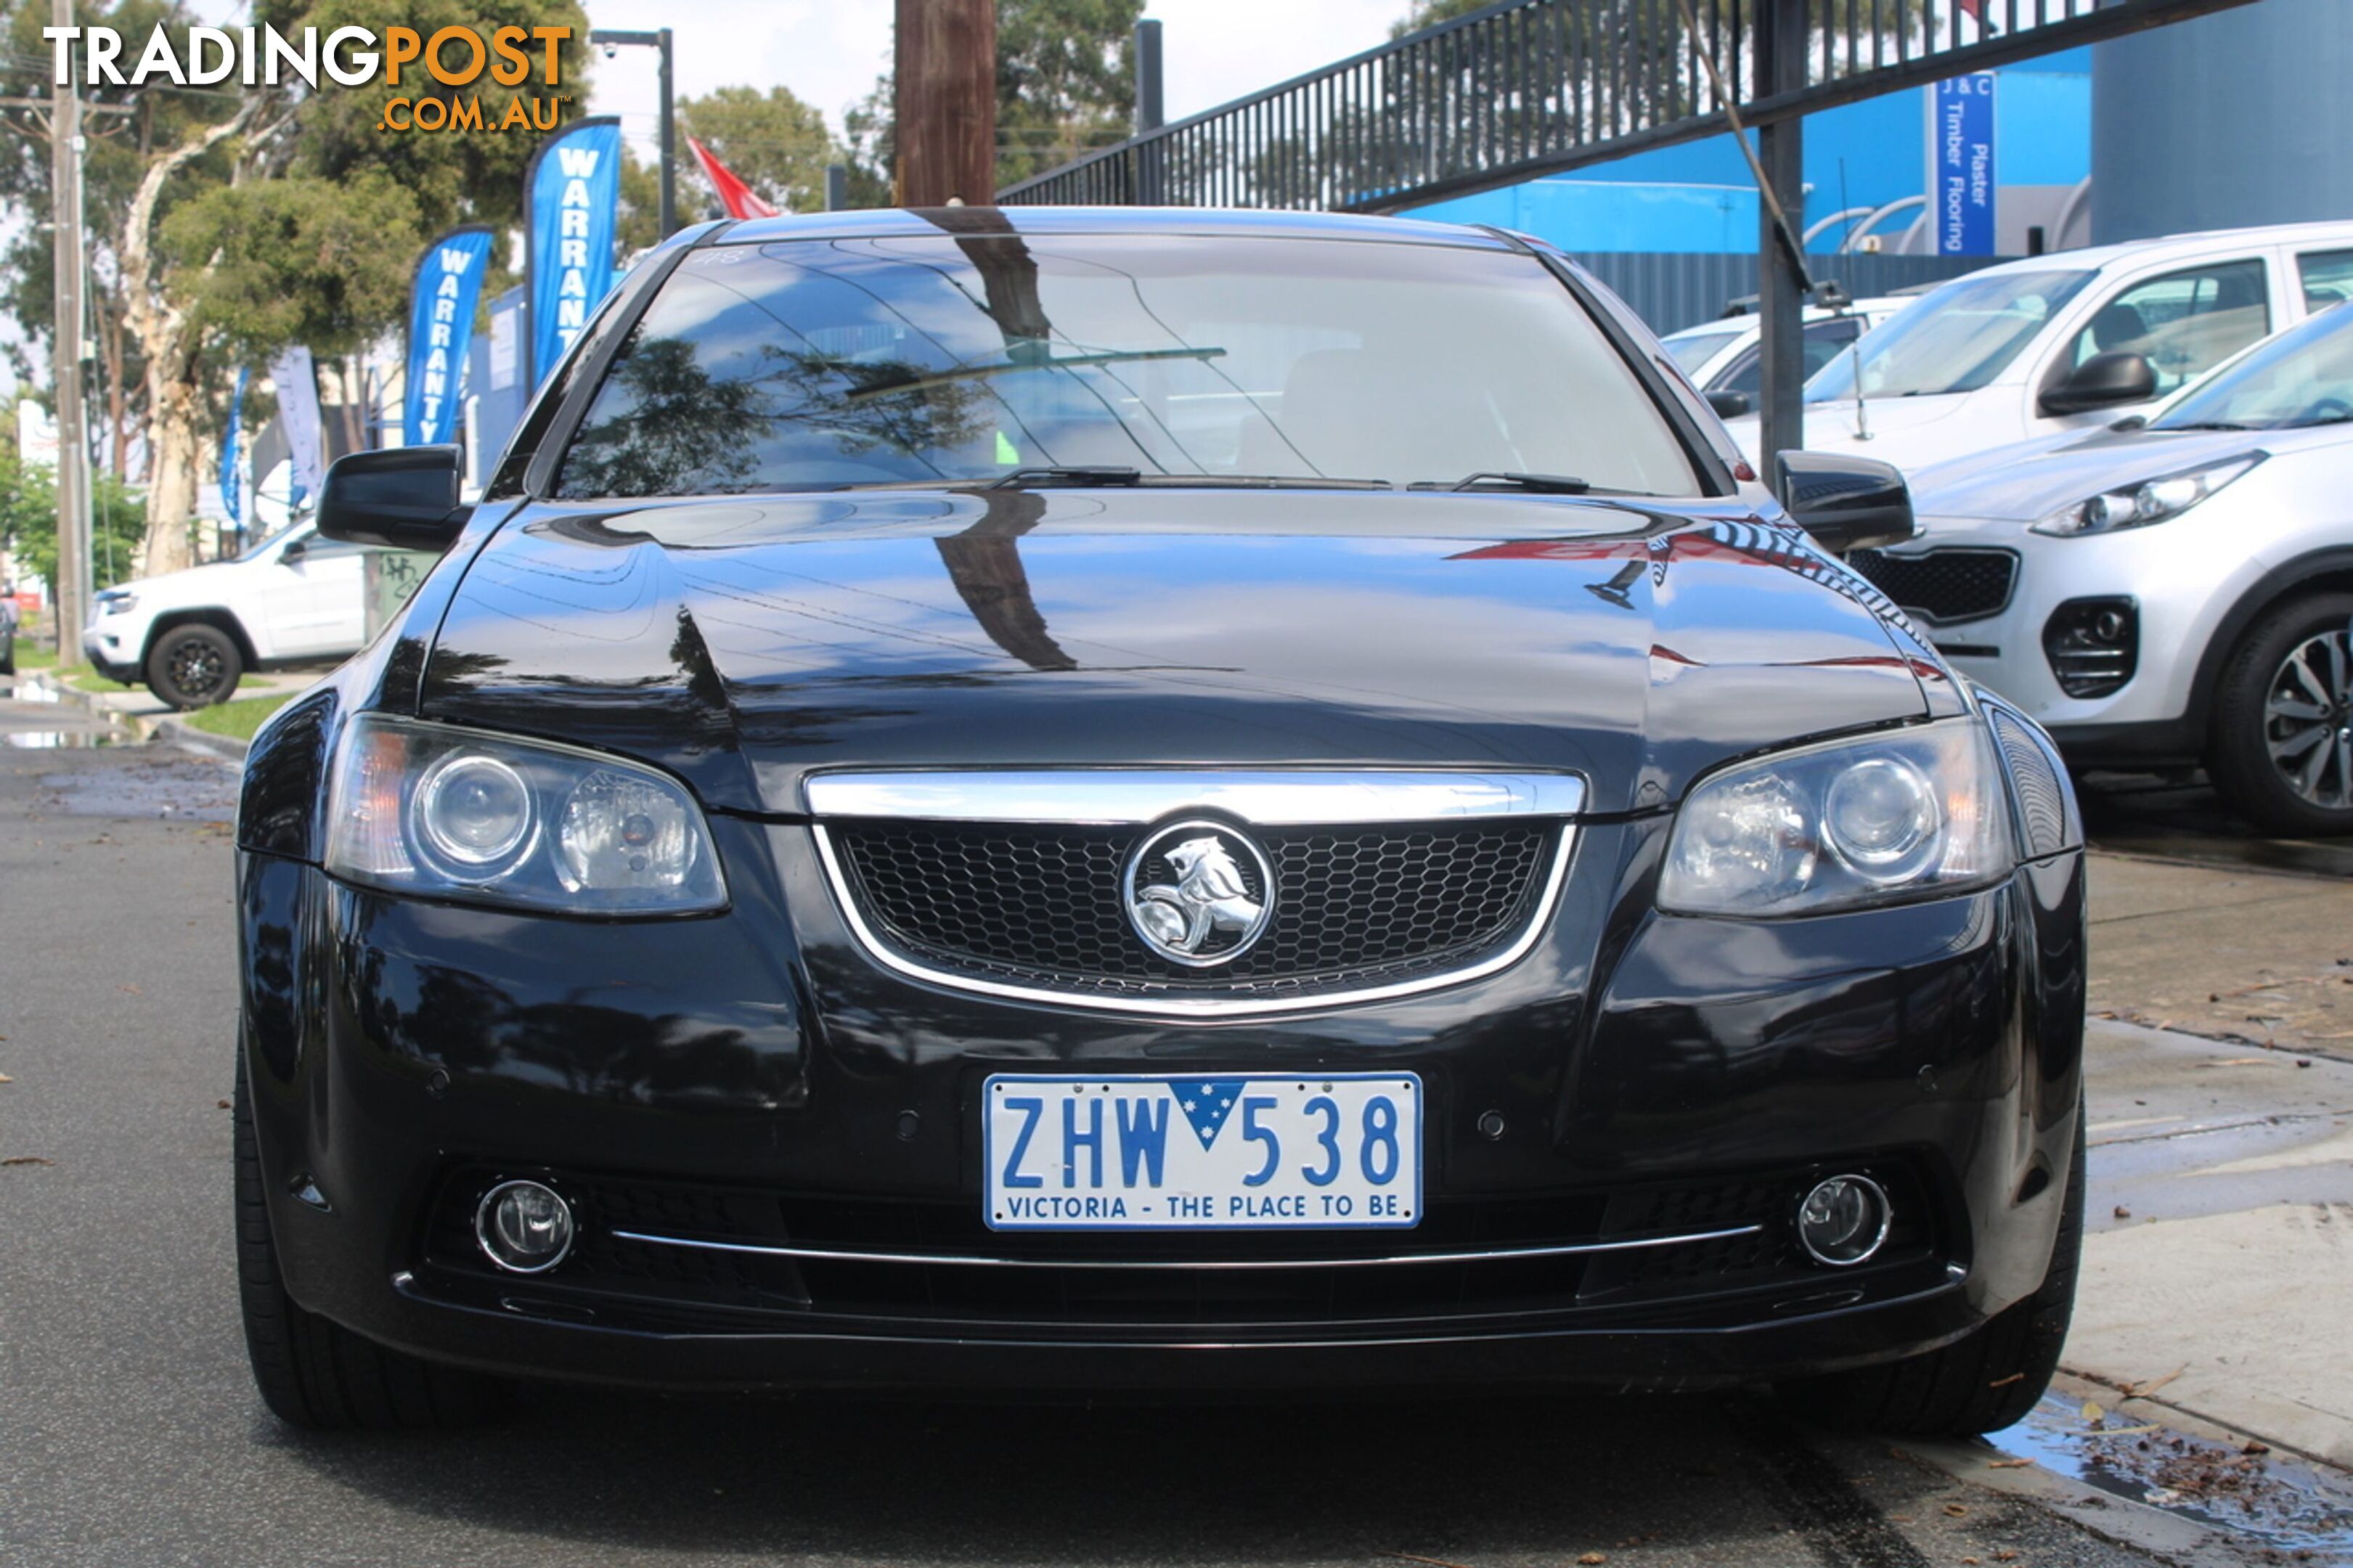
point(1942, 585)
point(1041, 905)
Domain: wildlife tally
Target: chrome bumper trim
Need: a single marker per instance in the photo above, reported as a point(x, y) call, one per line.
point(1109, 797)
point(953, 1260)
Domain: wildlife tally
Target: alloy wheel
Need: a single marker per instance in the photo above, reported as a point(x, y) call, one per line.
point(196, 667)
point(2308, 720)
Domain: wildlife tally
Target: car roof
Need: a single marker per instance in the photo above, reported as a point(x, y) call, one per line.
point(885, 222)
point(2090, 257)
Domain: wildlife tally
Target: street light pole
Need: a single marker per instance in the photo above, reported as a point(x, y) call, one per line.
point(72, 586)
point(612, 38)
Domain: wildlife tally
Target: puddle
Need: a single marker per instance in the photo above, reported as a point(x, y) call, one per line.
point(2299, 1508)
point(61, 739)
point(147, 783)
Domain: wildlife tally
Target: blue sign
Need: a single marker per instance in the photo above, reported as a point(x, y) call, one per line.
point(571, 194)
point(232, 486)
point(441, 325)
point(1960, 164)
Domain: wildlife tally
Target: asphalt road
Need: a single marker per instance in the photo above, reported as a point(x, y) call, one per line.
point(129, 1435)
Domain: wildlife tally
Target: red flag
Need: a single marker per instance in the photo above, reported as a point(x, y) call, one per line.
point(740, 199)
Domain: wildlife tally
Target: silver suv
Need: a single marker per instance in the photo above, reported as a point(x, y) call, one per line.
point(2172, 590)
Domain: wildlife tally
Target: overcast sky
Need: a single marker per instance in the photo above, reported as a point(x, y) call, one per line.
point(830, 51)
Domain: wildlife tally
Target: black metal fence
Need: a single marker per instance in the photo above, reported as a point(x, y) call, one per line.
point(1672, 291)
point(1526, 88)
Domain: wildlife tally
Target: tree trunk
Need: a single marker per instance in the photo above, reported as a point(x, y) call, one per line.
point(174, 403)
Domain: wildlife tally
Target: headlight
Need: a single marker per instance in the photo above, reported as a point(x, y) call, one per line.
point(117, 604)
point(445, 812)
point(2135, 506)
point(1852, 821)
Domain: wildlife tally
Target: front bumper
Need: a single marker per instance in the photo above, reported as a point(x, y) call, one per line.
point(109, 651)
point(2177, 601)
point(754, 1076)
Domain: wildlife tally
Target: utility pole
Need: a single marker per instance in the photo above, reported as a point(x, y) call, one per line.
point(1780, 60)
point(943, 95)
point(71, 590)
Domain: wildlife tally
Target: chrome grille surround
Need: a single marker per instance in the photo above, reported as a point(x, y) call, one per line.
point(1424, 805)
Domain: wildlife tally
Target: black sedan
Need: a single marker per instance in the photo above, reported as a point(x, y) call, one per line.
point(1142, 802)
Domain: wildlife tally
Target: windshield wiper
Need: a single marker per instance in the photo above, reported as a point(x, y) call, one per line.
point(1542, 484)
point(1022, 478)
point(2204, 424)
point(1043, 361)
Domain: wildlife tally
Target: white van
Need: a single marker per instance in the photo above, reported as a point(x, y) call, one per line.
point(2049, 343)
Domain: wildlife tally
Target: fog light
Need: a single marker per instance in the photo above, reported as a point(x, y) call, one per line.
point(1843, 1220)
point(523, 1227)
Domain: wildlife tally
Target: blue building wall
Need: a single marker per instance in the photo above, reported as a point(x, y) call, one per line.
point(1699, 197)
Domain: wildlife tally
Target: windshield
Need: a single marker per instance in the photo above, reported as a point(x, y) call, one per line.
point(822, 364)
point(2303, 377)
point(1956, 339)
point(1691, 350)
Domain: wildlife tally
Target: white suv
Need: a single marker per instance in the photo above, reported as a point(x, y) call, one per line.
point(2168, 592)
point(2065, 341)
point(191, 635)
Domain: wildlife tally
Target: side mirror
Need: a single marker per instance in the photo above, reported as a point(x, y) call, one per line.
point(402, 498)
point(2104, 381)
point(1846, 503)
point(1731, 405)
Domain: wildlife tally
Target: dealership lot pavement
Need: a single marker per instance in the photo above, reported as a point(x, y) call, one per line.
point(128, 1433)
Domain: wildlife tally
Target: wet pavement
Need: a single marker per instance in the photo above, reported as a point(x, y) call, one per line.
point(133, 1436)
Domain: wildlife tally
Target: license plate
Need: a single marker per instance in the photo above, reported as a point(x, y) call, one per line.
point(1244, 1152)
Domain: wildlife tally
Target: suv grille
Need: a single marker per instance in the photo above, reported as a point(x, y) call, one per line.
point(1041, 905)
point(1943, 584)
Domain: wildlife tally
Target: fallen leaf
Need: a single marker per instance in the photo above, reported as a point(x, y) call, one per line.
point(2093, 1413)
point(1593, 1557)
point(220, 1105)
point(1956, 1510)
point(26, 1160)
point(2123, 1213)
point(133, 989)
point(2005, 1555)
point(2007, 1464)
point(5, 1079)
point(1969, 1560)
point(2255, 1447)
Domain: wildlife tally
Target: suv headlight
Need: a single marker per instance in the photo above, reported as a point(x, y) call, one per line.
point(445, 812)
point(116, 602)
point(2153, 501)
point(1884, 816)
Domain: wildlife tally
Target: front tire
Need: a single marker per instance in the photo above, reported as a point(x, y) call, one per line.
point(1986, 1380)
point(193, 666)
point(2282, 748)
point(315, 1374)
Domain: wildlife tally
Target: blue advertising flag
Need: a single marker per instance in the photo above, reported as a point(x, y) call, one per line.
point(440, 326)
point(571, 194)
point(1960, 164)
point(232, 485)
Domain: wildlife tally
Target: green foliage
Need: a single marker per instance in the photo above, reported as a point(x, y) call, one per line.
point(238, 717)
point(28, 520)
point(296, 260)
point(1429, 13)
point(777, 145)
